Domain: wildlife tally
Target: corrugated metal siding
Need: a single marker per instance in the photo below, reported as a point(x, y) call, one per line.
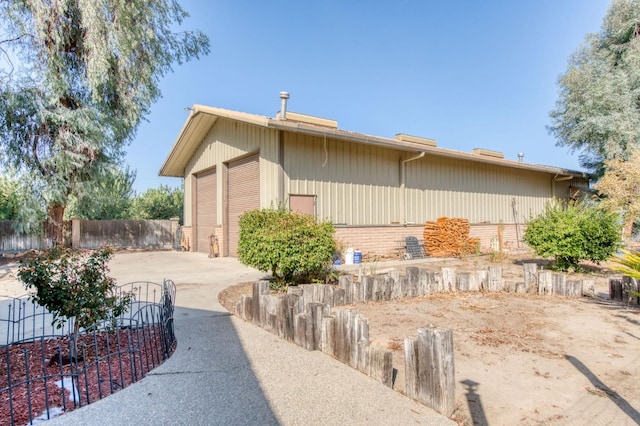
point(243, 192)
point(354, 183)
point(438, 187)
point(226, 141)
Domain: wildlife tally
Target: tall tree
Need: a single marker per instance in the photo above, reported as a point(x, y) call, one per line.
point(598, 110)
point(88, 73)
point(108, 196)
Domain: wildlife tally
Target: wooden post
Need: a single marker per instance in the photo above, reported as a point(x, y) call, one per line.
point(530, 271)
point(483, 280)
point(245, 307)
point(345, 282)
point(328, 340)
point(292, 311)
point(381, 365)
point(559, 284)
point(545, 282)
point(367, 288)
point(589, 288)
point(317, 311)
point(342, 348)
point(615, 289)
point(339, 296)
point(629, 284)
point(301, 329)
point(412, 281)
point(260, 288)
point(359, 341)
point(281, 309)
point(467, 281)
point(448, 279)
point(436, 373)
point(411, 367)
point(423, 282)
point(495, 278)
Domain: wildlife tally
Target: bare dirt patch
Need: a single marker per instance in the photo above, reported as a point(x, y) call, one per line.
point(520, 359)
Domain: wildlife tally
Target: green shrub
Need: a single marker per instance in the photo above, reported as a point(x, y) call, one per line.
point(293, 247)
point(74, 284)
point(571, 232)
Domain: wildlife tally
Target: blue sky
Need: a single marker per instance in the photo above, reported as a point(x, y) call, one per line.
point(470, 74)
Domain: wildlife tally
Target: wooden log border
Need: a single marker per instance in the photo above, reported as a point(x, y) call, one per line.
point(308, 315)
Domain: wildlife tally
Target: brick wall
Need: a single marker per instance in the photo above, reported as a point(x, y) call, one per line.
point(387, 240)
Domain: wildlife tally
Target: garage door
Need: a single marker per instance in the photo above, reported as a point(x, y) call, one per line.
point(205, 209)
point(244, 194)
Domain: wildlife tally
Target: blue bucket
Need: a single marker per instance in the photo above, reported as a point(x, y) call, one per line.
point(357, 257)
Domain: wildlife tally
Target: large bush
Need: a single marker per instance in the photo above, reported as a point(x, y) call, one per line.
point(571, 232)
point(292, 246)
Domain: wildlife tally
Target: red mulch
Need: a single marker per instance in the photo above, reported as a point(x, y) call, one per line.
point(110, 362)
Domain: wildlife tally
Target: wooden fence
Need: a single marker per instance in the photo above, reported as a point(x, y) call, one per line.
point(92, 234)
point(304, 316)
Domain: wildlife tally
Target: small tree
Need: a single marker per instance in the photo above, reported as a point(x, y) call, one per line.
point(571, 232)
point(73, 284)
point(620, 187)
point(291, 246)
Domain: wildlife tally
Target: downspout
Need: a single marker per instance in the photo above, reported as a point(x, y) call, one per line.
point(403, 173)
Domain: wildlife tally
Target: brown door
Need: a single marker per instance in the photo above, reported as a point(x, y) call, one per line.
point(243, 194)
point(205, 214)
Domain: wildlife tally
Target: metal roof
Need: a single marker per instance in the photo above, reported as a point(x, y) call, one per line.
point(202, 118)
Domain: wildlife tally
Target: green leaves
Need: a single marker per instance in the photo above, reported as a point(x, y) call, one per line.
point(597, 111)
point(158, 203)
point(293, 247)
point(88, 73)
point(73, 284)
point(571, 232)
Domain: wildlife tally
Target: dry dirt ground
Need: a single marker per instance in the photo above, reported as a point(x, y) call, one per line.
point(521, 359)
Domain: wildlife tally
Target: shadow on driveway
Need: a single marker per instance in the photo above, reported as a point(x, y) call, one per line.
point(208, 380)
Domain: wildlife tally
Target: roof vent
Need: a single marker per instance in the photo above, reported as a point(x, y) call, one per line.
point(283, 105)
point(487, 153)
point(309, 119)
point(415, 139)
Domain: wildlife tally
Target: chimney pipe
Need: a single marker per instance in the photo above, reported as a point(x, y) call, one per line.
point(283, 106)
point(520, 157)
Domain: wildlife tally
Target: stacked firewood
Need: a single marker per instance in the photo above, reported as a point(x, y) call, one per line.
point(447, 237)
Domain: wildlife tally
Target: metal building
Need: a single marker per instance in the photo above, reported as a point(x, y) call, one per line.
point(376, 190)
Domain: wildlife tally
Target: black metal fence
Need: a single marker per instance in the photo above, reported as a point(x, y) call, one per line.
point(45, 371)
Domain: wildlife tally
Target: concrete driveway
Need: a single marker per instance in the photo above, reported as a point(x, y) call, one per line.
point(228, 372)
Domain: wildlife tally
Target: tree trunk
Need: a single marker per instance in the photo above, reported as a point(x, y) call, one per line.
point(55, 224)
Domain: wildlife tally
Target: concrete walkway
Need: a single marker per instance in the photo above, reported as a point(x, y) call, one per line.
point(228, 372)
